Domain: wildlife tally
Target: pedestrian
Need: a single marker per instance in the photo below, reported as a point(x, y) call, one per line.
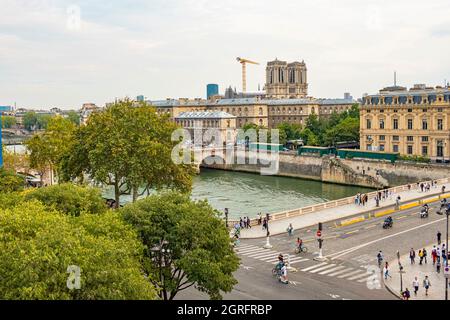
point(433, 255)
point(264, 224)
point(421, 187)
point(438, 235)
point(241, 222)
point(397, 203)
point(380, 258)
point(290, 229)
point(386, 271)
point(438, 254)
point(377, 201)
point(259, 218)
point(412, 256)
point(420, 257)
point(425, 254)
point(444, 253)
point(406, 295)
point(443, 189)
point(426, 284)
point(284, 278)
point(415, 285)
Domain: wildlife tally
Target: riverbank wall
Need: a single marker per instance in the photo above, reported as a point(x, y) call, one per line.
point(356, 172)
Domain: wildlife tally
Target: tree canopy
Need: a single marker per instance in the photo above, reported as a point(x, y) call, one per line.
point(197, 244)
point(129, 148)
point(8, 121)
point(10, 181)
point(38, 244)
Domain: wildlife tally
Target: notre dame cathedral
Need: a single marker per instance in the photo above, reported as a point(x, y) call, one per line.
point(286, 80)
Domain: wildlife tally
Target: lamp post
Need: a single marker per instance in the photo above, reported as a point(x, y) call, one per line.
point(226, 217)
point(400, 271)
point(267, 245)
point(159, 253)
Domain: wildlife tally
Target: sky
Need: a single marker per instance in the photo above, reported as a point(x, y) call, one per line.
point(66, 53)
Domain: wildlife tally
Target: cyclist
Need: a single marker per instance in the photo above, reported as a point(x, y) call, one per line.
point(300, 244)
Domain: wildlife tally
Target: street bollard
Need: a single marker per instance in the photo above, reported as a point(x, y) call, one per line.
point(292, 269)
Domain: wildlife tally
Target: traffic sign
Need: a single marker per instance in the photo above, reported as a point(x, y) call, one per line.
point(447, 272)
point(319, 233)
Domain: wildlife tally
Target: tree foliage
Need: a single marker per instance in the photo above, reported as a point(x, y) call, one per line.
point(10, 181)
point(69, 199)
point(47, 149)
point(8, 121)
point(199, 251)
point(37, 245)
point(127, 147)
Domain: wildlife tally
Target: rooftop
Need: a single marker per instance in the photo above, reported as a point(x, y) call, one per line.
point(204, 115)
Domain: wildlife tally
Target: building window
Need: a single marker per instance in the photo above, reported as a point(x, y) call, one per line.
point(381, 123)
point(424, 150)
point(368, 124)
point(424, 110)
point(440, 148)
point(409, 138)
point(409, 149)
point(260, 111)
point(424, 124)
point(395, 110)
point(381, 147)
point(395, 124)
point(395, 138)
point(439, 110)
point(410, 124)
point(395, 148)
point(381, 110)
point(409, 110)
point(439, 124)
point(425, 139)
point(382, 138)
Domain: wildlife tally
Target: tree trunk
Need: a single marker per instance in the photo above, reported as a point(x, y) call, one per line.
point(135, 194)
point(116, 193)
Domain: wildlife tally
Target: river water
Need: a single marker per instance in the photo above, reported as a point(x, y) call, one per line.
point(247, 194)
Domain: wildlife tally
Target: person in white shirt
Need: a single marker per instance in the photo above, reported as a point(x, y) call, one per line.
point(415, 285)
point(284, 278)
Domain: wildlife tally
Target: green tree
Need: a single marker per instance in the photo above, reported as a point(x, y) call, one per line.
point(37, 245)
point(128, 147)
point(309, 138)
point(74, 117)
point(69, 198)
point(47, 149)
point(346, 130)
point(30, 120)
point(10, 181)
point(289, 131)
point(197, 244)
point(8, 122)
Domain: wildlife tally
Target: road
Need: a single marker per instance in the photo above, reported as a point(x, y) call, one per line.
point(349, 251)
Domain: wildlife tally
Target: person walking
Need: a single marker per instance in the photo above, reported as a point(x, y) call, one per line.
point(444, 253)
point(406, 294)
point(415, 285)
point(259, 218)
point(438, 236)
point(290, 229)
point(426, 284)
point(438, 253)
point(241, 222)
point(264, 224)
point(284, 278)
point(420, 257)
point(380, 258)
point(433, 255)
point(386, 271)
point(438, 266)
point(425, 254)
point(412, 256)
point(249, 223)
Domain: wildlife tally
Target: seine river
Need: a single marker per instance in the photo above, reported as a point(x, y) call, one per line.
point(248, 194)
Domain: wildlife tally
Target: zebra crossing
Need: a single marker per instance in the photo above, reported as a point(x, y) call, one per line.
point(336, 270)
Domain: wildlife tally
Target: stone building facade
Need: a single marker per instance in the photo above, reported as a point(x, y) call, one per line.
point(413, 122)
point(286, 80)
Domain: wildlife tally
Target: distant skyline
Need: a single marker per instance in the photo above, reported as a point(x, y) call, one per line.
point(57, 53)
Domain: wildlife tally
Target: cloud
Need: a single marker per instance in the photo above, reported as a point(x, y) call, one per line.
point(173, 48)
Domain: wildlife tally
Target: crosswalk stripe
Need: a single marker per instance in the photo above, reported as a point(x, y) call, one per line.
point(271, 258)
point(349, 274)
point(340, 272)
point(262, 255)
point(247, 246)
point(332, 270)
point(254, 251)
point(295, 260)
point(313, 267)
point(322, 268)
point(251, 250)
point(364, 274)
point(364, 279)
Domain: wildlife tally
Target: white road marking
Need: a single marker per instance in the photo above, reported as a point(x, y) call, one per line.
point(296, 260)
point(322, 268)
point(364, 274)
point(349, 250)
point(340, 272)
point(332, 270)
point(251, 250)
point(315, 266)
point(262, 255)
point(349, 274)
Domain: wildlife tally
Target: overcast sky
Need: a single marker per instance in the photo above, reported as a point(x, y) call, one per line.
point(65, 53)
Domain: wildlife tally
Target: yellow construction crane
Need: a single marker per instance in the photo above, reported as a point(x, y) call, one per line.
point(243, 62)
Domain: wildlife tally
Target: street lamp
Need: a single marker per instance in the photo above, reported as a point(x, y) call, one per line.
point(447, 213)
point(226, 217)
point(400, 271)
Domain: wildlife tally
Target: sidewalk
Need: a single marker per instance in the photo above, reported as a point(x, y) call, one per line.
point(437, 280)
point(342, 212)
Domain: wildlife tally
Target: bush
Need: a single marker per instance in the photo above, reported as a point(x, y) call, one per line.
point(70, 199)
point(10, 181)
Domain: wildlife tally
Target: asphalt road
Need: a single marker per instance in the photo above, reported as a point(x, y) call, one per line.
point(350, 251)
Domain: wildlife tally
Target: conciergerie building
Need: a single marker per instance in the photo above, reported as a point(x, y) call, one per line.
point(414, 122)
point(284, 99)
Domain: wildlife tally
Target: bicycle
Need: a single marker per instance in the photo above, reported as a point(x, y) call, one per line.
point(300, 250)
